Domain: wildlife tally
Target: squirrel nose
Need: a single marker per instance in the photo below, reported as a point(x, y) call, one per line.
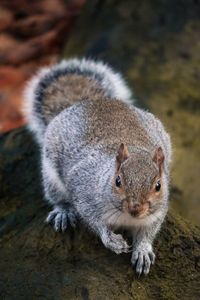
point(135, 209)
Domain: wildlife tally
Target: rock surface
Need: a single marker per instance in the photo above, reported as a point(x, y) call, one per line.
point(37, 263)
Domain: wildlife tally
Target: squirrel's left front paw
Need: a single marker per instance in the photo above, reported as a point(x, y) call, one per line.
point(142, 258)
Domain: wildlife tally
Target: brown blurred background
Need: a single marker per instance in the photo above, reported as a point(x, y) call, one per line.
point(32, 34)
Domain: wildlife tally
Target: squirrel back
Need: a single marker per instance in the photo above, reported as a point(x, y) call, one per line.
point(56, 88)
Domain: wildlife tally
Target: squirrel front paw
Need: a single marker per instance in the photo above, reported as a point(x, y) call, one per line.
point(142, 258)
point(115, 242)
point(60, 218)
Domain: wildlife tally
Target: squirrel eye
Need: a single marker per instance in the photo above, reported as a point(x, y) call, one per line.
point(158, 186)
point(118, 181)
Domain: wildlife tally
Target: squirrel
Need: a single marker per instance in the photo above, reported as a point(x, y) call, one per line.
point(104, 160)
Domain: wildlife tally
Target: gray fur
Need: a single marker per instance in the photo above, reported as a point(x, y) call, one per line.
point(45, 85)
point(79, 150)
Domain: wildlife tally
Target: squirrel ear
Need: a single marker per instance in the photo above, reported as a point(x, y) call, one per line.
point(159, 157)
point(122, 155)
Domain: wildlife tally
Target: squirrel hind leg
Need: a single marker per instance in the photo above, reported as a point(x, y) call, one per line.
point(61, 217)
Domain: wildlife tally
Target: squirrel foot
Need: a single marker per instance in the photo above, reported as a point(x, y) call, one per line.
point(115, 242)
point(61, 217)
point(142, 258)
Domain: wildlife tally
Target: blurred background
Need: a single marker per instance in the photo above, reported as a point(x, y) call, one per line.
point(155, 44)
point(32, 34)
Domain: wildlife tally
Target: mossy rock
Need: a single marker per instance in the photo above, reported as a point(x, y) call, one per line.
point(37, 263)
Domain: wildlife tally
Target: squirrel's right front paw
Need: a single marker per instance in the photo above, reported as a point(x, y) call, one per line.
point(60, 218)
point(115, 242)
point(142, 258)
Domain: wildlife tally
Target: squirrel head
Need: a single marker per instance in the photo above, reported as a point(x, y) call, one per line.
point(138, 180)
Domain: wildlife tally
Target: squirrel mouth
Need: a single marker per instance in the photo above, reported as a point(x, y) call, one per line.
point(141, 215)
point(139, 210)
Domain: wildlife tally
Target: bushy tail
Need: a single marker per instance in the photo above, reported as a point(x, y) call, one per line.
point(56, 88)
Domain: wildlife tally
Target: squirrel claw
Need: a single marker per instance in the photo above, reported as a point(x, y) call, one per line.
point(60, 219)
point(142, 260)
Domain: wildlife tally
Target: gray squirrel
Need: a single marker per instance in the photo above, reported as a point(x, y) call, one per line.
point(104, 160)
